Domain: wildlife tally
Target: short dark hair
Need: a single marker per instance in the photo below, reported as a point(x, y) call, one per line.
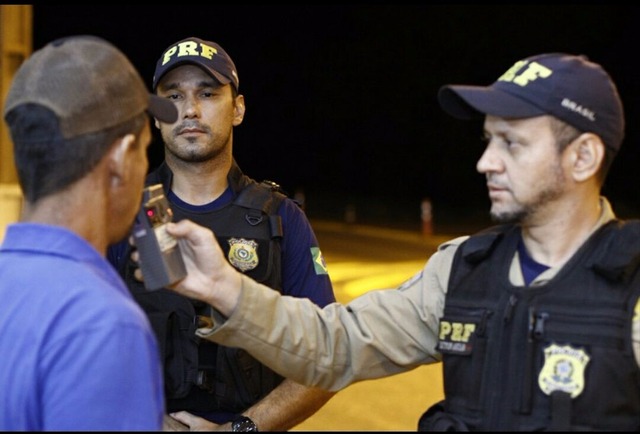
point(46, 162)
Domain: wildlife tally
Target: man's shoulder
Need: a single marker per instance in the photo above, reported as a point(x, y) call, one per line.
point(266, 195)
point(453, 243)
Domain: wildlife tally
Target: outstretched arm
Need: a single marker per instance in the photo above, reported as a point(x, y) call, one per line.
point(377, 334)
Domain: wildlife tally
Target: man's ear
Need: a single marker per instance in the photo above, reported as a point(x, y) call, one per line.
point(120, 159)
point(588, 154)
point(238, 110)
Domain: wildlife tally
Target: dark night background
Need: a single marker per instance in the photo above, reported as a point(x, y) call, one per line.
point(341, 100)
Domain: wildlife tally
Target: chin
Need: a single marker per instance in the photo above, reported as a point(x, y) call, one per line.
point(506, 216)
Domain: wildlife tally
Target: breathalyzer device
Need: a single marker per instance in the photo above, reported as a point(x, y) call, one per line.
point(160, 260)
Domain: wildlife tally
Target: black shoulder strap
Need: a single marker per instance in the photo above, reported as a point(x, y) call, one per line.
point(480, 245)
point(476, 248)
point(618, 258)
point(263, 199)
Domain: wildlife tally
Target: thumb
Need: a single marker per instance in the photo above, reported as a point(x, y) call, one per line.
point(182, 416)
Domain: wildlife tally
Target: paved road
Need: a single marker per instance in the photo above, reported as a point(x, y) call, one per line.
point(360, 259)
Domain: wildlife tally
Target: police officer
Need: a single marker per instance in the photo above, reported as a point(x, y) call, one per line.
point(536, 320)
point(264, 234)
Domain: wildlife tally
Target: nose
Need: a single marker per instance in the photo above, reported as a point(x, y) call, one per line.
point(489, 161)
point(191, 107)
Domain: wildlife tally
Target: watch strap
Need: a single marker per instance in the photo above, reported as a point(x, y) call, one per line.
point(243, 424)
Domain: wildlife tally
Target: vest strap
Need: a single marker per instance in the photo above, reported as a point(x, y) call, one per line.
point(560, 411)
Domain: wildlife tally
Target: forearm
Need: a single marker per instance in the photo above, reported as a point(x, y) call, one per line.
point(261, 325)
point(331, 347)
point(287, 405)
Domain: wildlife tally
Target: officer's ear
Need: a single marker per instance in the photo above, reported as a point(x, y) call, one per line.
point(238, 110)
point(588, 152)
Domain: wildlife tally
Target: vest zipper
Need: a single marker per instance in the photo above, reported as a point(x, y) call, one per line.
point(535, 335)
point(511, 304)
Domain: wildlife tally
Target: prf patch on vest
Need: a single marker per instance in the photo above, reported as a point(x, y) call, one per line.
point(456, 337)
point(318, 261)
point(563, 369)
point(243, 254)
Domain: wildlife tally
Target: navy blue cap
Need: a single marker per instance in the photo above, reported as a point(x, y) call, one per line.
point(568, 87)
point(208, 55)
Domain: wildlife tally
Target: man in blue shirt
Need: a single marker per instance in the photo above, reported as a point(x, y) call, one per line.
point(77, 351)
point(263, 233)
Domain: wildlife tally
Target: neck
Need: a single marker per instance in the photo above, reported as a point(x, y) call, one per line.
point(199, 183)
point(81, 208)
point(556, 240)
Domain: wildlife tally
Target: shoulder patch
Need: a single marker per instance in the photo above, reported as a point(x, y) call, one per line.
point(318, 261)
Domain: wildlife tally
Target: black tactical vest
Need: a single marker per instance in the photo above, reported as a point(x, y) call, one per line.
point(551, 357)
point(200, 375)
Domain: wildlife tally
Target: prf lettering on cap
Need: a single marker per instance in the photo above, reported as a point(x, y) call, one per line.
point(454, 337)
point(532, 72)
point(189, 48)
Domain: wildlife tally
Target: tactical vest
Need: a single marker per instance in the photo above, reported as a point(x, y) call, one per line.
point(550, 357)
point(200, 375)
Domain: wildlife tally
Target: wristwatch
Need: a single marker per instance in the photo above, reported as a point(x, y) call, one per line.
point(243, 423)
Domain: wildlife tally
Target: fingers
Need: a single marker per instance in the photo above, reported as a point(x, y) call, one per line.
point(181, 416)
point(173, 424)
point(195, 423)
point(195, 234)
point(137, 273)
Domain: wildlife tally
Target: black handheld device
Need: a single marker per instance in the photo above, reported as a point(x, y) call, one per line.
point(160, 260)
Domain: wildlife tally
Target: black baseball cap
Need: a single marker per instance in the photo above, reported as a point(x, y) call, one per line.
point(208, 55)
point(568, 87)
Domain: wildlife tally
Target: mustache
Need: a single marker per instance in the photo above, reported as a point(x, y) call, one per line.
point(190, 125)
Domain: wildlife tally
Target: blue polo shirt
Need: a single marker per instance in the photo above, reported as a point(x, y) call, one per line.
point(76, 351)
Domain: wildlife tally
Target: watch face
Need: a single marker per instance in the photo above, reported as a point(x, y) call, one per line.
point(243, 424)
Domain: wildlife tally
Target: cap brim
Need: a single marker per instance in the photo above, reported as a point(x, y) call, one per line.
point(212, 72)
point(162, 109)
point(472, 102)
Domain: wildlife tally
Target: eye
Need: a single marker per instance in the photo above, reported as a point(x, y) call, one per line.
point(500, 140)
point(509, 143)
point(173, 96)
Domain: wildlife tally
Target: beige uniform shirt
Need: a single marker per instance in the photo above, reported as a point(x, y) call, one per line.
point(378, 334)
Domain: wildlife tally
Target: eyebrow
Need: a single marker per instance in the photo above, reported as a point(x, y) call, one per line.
point(201, 84)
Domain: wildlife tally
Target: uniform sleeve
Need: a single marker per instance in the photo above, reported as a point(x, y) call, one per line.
point(304, 272)
point(380, 333)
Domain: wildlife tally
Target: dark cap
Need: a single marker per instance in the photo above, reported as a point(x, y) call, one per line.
point(568, 87)
point(88, 83)
point(210, 56)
